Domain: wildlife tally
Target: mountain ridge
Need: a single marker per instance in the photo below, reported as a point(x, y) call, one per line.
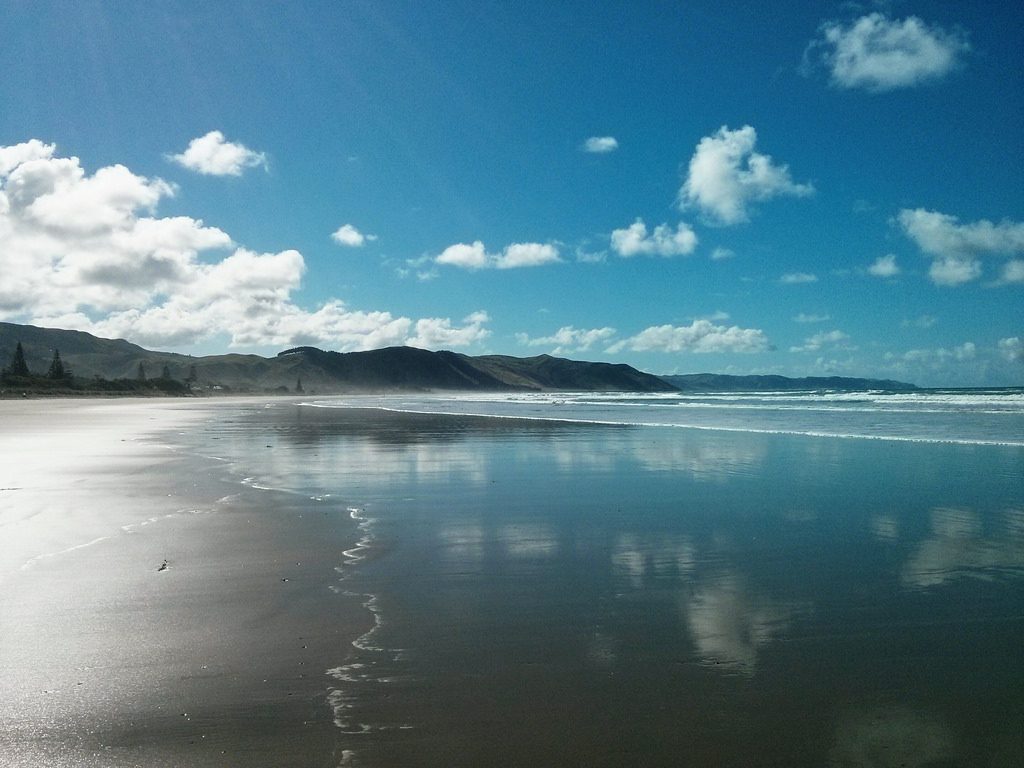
point(390, 369)
point(314, 370)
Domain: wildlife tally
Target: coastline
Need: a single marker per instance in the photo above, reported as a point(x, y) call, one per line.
point(155, 612)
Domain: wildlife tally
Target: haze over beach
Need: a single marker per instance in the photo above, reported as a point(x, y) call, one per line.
point(639, 384)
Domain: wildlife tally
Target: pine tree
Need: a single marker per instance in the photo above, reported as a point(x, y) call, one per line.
point(166, 373)
point(298, 386)
point(141, 373)
point(57, 370)
point(18, 365)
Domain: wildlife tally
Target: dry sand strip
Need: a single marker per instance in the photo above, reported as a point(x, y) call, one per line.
point(153, 610)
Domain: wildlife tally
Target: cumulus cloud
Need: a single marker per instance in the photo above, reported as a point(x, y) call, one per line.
point(955, 247)
point(961, 353)
point(819, 341)
point(1013, 271)
point(878, 54)
point(954, 270)
point(721, 254)
point(700, 336)
point(884, 266)
point(798, 278)
point(88, 252)
point(568, 339)
point(213, 155)
point(351, 237)
point(726, 176)
point(634, 240)
point(1012, 349)
point(600, 145)
point(13, 156)
point(474, 256)
point(439, 333)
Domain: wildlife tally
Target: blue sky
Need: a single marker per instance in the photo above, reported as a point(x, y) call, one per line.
point(794, 188)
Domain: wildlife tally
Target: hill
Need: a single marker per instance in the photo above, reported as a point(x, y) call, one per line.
point(319, 371)
point(714, 382)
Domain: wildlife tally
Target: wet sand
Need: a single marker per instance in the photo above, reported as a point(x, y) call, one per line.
point(153, 610)
point(543, 593)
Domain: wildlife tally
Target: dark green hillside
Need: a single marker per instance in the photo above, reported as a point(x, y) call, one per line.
point(91, 359)
point(559, 373)
point(396, 368)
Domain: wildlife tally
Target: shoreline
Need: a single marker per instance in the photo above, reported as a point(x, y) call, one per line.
point(153, 611)
point(748, 430)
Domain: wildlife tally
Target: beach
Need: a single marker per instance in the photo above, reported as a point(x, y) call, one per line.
point(364, 582)
point(155, 611)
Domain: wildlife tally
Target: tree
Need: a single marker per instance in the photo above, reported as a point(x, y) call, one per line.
point(166, 373)
point(18, 365)
point(57, 370)
point(192, 377)
point(298, 386)
point(141, 373)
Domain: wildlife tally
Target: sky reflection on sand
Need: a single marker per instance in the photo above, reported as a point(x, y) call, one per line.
point(784, 579)
point(959, 548)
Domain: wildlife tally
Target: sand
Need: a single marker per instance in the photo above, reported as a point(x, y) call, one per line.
point(153, 610)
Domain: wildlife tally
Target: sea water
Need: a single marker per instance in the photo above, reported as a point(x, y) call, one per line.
point(798, 579)
point(993, 416)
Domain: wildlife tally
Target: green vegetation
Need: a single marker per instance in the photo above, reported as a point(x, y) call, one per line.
point(18, 379)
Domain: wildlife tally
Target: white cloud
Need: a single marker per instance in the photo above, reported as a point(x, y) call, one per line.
point(798, 278)
point(465, 255)
point(438, 333)
point(805, 318)
point(819, 341)
point(351, 237)
point(721, 254)
point(884, 266)
point(942, 235)
point(13, 156)
point(955, 246)
point(964, 352)
point(213, 155)
point(88, 252)
point(726, 175)
point(717, 316)
point(954, 270)
point(590, 257)
point(699, 336)
point(568, 339)
point(663, 241)
point(600, 145)
point(474, 256)
point(1013, 271)
point(967, 364)
point(881, 54)
point(1012, 349)
point(527, 255)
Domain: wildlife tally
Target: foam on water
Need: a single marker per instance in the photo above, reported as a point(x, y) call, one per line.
point(964, 417)
point(361, 671)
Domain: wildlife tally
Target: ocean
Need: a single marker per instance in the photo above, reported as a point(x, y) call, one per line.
point(736, 579)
